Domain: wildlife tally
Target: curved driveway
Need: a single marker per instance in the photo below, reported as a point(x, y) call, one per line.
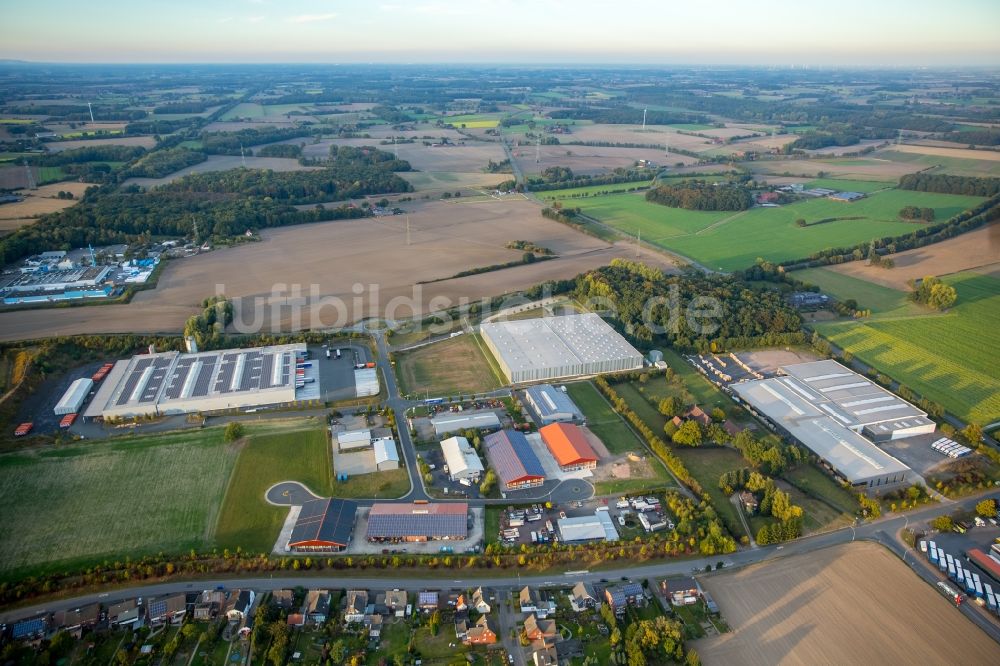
point(289, 493)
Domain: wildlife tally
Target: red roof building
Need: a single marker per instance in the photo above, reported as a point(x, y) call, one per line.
point(569, 446)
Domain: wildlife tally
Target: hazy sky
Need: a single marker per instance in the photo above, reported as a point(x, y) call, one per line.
point(847, 32)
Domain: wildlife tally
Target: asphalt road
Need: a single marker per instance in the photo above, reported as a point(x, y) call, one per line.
point(883, 531)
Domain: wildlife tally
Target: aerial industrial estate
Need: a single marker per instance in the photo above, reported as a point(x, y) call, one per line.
point(449, 364)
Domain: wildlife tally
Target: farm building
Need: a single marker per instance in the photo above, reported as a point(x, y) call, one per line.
point(515, 462)
point(386, 455)
point(450, 422)
point(827, 407)
point(846, 196)
point(323, 525)
point(74, 397)
point(462, 460)
point(551, 347)
point(551, 405)
point(588, 528)
point(418, 522)
point(569, 446)
point(173, 383)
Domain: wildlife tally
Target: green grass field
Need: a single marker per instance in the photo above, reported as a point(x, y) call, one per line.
point(949, 358)
point(302, 454)
point(882, 301)
point(954, 165)
point(589, 191)
point(814, 481)
point(111, 499)
point(446, 368)
point(707, 464)
point(255, 111)
point(383, 485)
point(731, 240)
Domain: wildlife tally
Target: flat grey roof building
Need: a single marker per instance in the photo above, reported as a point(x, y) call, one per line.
point(552, 405)
point(788, 405)
point(588, 528)
point(454, 421)
point(551, 347)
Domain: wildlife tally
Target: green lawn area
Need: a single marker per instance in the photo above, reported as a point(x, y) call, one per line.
point(707, 464)
point(960, 166)
point(303, 455)
point(603, 421)
point(880, 300)
point(434, 650)
point(384, 485)
point(120, 497)
point(256, 111)
point(732, 240)
point(393, 640)
point(950, 358)
point(454, 366)
point(631, 394)
point(814, 481)
point(701, 391)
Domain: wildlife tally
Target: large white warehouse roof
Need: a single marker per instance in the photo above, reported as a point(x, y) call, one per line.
point(550, 347)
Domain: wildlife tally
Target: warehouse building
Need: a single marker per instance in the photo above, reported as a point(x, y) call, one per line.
point(598, 527)
point(551, 405)
point(569, 446)
point(386, 455)
point(323, 525)
point(353, 440)
point(516, 464)
point(74, 397)
point(366, 382)
point(450, 422)
point(418, 522)
point(173, 383)
point(550, 347)
point(462, 460)
point(813, 406)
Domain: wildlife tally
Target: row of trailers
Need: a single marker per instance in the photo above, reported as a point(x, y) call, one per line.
point(963, 578)
point(950, 448)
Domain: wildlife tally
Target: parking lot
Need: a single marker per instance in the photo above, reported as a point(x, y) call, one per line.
point(916, 452)
point(336, 376)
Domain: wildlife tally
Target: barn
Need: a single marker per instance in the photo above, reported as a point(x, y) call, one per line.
point(323, 526)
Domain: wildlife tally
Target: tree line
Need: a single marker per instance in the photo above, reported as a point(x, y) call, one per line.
point(943, 183)
point(160, 163)
point(626, 115)
point(701, 195)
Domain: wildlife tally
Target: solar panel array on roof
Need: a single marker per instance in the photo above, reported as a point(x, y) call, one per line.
point(418, 521)
point(177, 381)
point(324, 521)
point(132, 380)
point(26, 628)
point(207, 369)
point(158, 608)
point(151, 390)
point(513, 458)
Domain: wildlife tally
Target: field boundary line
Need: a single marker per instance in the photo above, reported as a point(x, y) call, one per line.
point(720, 222)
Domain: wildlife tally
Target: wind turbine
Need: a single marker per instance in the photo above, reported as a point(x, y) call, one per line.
point(91, 109)
point(644, 120)
point(243, 156)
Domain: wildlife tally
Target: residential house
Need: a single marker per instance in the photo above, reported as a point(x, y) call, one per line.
point(731, 428)
point(317, 606)
point(461, 628)
point(697, 414)
point(479, 602)
point(379, 607)
point(460, 604)
point(749, 502)
point(427, 601)
point(482, 633)
point(546, 656)
point(374, 625)
point(209, 604)
point(535, 629)
point(629, 594)
point(167, 609)
point(355, 606)
point(238, 605)
point(296, 620)
point(124, 612)
point(581, 597)
point(532, 602)
point(680, 591)
point(283, 599)
point(395, 602)
point(30, 629)
point(79, 618)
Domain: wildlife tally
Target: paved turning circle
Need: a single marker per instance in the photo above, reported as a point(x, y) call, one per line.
point(289, 493)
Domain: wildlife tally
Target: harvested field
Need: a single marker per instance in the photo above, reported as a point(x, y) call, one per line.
point(769, 360)
point(589, 159)
point(450, 367)
point(38, 202)
point(144, 141)
point(960, 153)
point(971, 250)
point(850, 604)
point(653, 135)
point(446, 237)
point(224, 163)
point(440, 181)
point(870, 168)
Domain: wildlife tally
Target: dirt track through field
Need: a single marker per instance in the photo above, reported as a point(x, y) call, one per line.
point(852, 604)
point(335, 256)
